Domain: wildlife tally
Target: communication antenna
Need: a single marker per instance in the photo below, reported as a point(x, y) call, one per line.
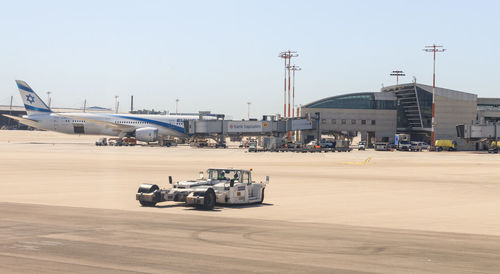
point(434, 48)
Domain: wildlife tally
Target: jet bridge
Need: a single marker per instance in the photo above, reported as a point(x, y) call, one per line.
point(485, 136)
point(204, 128)
point(478, 132)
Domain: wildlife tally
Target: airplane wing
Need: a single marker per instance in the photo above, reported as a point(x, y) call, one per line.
point(28, 122)
point(121, 127)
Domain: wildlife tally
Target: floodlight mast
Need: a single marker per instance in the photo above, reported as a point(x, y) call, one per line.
point(294, 68)
point(249, 103)
point(287, 56)
point(116, 103)
point(48, 98)
point(434, 48)
point(397, 73)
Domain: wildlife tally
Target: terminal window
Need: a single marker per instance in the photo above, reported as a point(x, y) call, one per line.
point(334, 121)
point(374, 122)
point(363, 122)
point(343, 122)
point(353, 122)
point(323, 121)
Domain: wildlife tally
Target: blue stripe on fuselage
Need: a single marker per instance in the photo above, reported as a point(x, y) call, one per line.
point(163, 124)
point(25, 88)
point(28, 107)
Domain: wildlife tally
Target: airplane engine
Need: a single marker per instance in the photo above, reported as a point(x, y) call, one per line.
point(146, 134)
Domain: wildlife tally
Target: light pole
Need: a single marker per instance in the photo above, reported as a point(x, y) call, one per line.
point(397, 73)
point(48, 98)
point(10, 110)
point(249, 103)
point(177, 106)
point(287, 55)
point(294, 68)
point(434, 48)
point(116, 103)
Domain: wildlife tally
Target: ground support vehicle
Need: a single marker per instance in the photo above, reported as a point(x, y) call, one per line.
point(309, 149)
point(416, 146)
point(494, 147)
point(424, 145)
point(220, 145)
point(312, 144)
point(167, 142)
point(448, 145)
point(223, 186)
point(404, 145)
point(325, 143)
point(129, 141)
point(382, 146)
point(290, 145)
point(362, 145)
point(102, 142)
point(252, 147)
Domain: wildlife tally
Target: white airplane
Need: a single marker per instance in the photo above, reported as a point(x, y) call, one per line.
point(146, 128)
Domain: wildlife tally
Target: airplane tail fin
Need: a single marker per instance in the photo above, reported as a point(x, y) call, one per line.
point(32, 102)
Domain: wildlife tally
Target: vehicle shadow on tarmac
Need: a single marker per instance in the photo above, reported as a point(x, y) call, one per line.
point(170, 205)
point(218, 208)
point(243, 206)
point(240, 206)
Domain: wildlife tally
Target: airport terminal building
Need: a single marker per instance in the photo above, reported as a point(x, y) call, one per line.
point(404, 108)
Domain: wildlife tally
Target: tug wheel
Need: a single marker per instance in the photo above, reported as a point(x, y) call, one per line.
point(147, 188)
point(209, 201)
point(262, 198)
point(147, 203)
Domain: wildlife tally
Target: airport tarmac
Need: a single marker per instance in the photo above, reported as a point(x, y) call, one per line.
point(359, 211)
point(55, 239)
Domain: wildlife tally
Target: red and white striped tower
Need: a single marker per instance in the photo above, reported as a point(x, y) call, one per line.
point(294, 68)
point(434, 48)
point(288, 67)
point(287, 56)
point(284, 90)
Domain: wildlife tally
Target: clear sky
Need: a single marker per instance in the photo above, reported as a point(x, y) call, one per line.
point(219, 55)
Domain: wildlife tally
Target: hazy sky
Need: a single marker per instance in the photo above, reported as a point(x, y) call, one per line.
point(218, 55)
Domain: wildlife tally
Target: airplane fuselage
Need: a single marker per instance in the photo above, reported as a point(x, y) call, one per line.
point(147, 128)
point(167, 125)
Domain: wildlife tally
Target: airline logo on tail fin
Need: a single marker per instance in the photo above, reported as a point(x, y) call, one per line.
point(32, 102)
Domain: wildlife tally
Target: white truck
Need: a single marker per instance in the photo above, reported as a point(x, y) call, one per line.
point(222, 186)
